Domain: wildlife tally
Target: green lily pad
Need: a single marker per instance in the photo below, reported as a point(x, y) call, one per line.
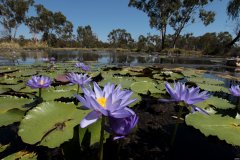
point(138, 99)
point(4, 90)
point(52, 123)
point(11, 116)
point(144, 87)
point(22, 155)
point(125, 82)
point(205, 81)
point(216, 102)
point(213, 88)
point(225, 128)
point(10, 102)
point(16, 87)
point(4, 147)
point(91, 134)
point(51, 94)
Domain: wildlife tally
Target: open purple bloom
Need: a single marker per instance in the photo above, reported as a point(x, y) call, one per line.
point(235, 90)
point(82, 66)
point(190, 96)
point(80, 79)
point(52, 60)
point(110, 101)
point(39, 82)
point(121, 127)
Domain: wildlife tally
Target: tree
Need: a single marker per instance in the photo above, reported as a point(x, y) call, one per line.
point(12, 14)
point(86, 37)
point(50, 23)
point(233, 11)
point(176, 14)
point(186, 12)
point(120, 38)
point(32, 23)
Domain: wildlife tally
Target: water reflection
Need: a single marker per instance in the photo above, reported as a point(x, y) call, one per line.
point(116, 58)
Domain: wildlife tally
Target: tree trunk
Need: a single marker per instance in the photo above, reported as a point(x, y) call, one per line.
point(229, 45)
point(15, 32)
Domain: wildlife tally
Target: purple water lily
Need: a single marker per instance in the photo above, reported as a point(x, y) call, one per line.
point(39, 82)
point(121, 127)
point(82, 66)
point(190, 96)
point(80, 79)
point(110, 101)
point(235, 90)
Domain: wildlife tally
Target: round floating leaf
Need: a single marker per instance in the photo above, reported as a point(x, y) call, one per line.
point(91, 134)
point(52, 123)
point(125, 82)
point(138, 99)
point(10, 102)
point(6, 80)
point(51, 94)
point(22, 155)
point(16, 87)
point(213, 88)
point(4, 90)
point(225, 128)
point(4, 147)
point(205, 81)
point(144, 87)
point(11, 116)
point(216, 102)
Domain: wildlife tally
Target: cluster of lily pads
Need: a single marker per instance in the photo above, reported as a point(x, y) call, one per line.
point(43, 99)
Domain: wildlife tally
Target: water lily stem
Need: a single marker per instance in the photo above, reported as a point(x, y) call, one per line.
point(101, 139)
point(78, 89)
point(176, 126)
point(40, 92)
point(238, 105)
point(119, 148)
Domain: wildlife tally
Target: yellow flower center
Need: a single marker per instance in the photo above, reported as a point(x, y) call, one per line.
point(41, 82)
point(102, 101)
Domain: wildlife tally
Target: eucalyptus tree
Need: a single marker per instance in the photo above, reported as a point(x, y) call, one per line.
point(142, 43)
point(233, 11)
point(32, 23)
point(50, 23)
point(13, 14)
point(120, 38)
point(86, 37)
point(176, 14)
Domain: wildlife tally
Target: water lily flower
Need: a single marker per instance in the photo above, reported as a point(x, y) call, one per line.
point(110, 101)
point(121, 127)
point(82, 66)
point(52, 60)
point(39, 82)
point(190, 96)
point(235, 90)
point(80, 79)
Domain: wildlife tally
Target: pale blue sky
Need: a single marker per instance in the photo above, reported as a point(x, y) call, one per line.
point(105, 15)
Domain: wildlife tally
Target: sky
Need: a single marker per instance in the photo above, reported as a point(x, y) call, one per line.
point(105, 15)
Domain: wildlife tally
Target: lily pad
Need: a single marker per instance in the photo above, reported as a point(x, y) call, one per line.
point(11, 102)
point(225, 128)
point(91, 134)
point(11, 116)
point(4, 147)
point(213, 88)
point(22, 155)
point(144, 87)
point(51, 94)
point(205, 81)
point(216, 102)
point(52, 123)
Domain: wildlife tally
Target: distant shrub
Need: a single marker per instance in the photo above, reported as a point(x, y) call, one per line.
point(9, 45)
